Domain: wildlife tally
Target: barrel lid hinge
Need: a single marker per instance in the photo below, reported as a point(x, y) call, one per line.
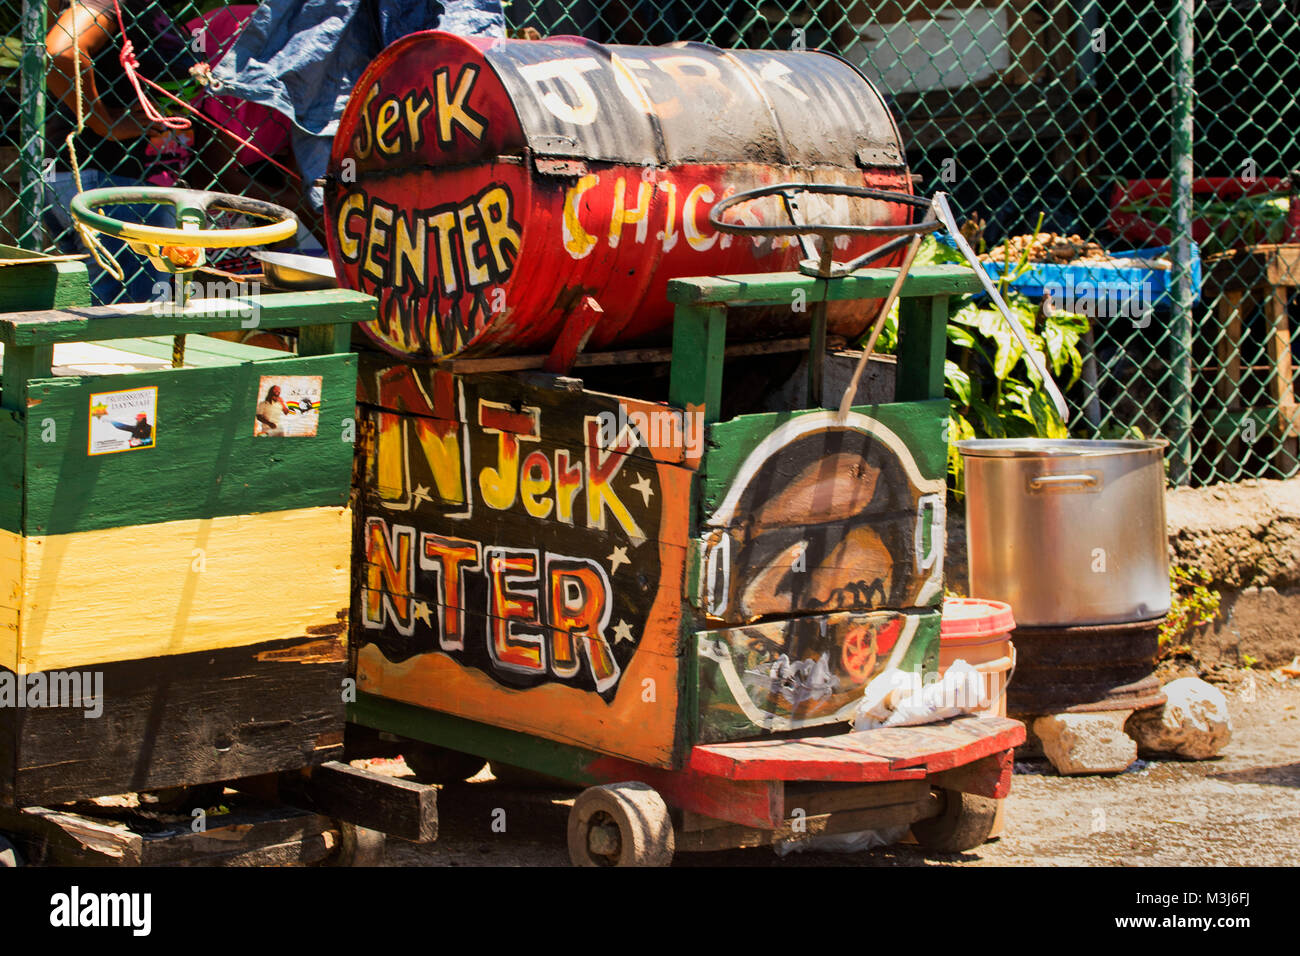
point(876, 157)
point(554, 166)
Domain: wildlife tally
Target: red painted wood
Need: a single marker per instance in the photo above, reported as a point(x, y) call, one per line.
point(573, 338)
point(751, 803)
point(893, 753)
point(987, 777)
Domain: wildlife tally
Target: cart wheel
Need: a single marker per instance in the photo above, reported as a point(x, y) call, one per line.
point(433, 764)
point(965, 823)
point(620, 824)
point(9, 855)
point(359, 846)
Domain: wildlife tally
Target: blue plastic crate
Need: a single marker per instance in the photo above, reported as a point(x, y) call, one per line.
point(1083, 288)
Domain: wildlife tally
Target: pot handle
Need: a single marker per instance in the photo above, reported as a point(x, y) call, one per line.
point(1049, 482)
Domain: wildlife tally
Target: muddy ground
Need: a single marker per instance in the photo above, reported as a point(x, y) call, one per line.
point(1240, 809)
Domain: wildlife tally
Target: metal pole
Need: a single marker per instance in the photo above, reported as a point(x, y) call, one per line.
point(31, 195)
point(1184, 97)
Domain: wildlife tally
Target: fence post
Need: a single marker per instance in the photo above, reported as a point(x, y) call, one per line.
point(1184, 97)
point(31, 194)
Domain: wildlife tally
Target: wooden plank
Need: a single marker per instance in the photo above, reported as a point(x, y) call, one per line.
point(1282, 385)
point(211, 345)
point(205, 460)
point(324, 339)
point(26, 287)
point(400, 808)
point(699, 340)
point(96, 323)
point(182, 719)
point(987, 777)
point(884, 754)
point(844, 821)
point(21, 365)
point(820, 798)
point(647, 356)
point(778, 288)
point(56, 838)
point(1227, 349)
point(922, 345)
point(211, 583)
point(13, 460)
point(756, 803)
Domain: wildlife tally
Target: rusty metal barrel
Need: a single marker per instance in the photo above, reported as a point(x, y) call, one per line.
point(487, 191)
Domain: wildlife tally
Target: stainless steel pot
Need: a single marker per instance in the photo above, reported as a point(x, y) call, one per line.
point(1068, 532)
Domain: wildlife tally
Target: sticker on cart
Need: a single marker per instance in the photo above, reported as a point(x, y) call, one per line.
point(123, 421)
point(288, 406)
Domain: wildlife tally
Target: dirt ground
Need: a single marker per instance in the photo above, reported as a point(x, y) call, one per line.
point(1240, 809)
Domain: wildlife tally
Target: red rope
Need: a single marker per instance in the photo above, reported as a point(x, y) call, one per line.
point(130, 65)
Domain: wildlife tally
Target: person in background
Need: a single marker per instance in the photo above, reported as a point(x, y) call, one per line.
point(119, 146)
point(302, 58)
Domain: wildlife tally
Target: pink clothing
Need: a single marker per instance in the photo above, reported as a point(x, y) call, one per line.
point(258, 124)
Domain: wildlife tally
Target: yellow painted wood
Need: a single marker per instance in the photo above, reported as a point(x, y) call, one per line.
point(181, 586)
point(11, 593)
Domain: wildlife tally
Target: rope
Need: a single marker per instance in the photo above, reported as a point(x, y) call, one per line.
point(131, 66)
point(88, 235)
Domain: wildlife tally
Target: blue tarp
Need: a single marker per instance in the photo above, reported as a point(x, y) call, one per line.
point(302, 57)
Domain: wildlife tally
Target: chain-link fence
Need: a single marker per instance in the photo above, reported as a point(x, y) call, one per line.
point(1138, 125)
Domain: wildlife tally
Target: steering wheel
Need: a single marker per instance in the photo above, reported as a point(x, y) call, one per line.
point(825, 267)
point(181, 249)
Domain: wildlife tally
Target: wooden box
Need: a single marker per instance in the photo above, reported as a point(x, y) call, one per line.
point(173, 582)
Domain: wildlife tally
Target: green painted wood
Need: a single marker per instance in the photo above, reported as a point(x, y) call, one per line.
point(20, 366)
point(233, 351)
point(324, 339)
point(922, 346)
point(469, 736)
point(206, 461)
point(699, 345)
point(157, 348)
point(97, 323)
point(801, 515)
point(12, 456)
point(778, 288)
point(42, 284)
point(919, 424)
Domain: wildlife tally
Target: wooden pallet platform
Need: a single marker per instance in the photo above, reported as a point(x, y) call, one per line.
point(888, 753)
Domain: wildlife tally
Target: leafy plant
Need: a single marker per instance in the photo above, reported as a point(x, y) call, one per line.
point(1194, 603)
point(994, 390)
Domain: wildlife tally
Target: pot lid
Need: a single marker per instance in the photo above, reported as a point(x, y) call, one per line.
point(1055, 447)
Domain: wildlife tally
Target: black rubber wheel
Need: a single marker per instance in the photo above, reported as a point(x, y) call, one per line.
point(359, 846)
point(9, 855)
point(620, 824)
point(965, 823)
point(433, 764)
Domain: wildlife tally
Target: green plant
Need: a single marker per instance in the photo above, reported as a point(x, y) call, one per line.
point(993, 388)
point(1194, 603)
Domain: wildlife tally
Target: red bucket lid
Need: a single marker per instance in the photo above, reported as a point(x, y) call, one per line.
point(974, 617)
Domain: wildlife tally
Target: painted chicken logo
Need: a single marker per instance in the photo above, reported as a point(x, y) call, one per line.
point(824, 516)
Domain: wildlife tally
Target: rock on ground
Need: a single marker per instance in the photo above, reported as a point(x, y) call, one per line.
point(1194, 723)
point(1087, 743)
